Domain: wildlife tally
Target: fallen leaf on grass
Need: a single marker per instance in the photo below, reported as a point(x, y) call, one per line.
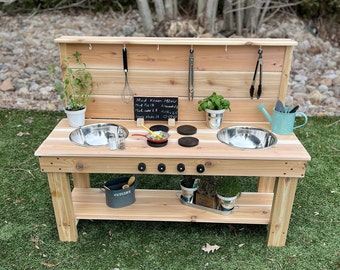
point(49, 264)
point(20, 134)
point(210, 248)
point(18, 201)
point(28, 120)
point(241, 245)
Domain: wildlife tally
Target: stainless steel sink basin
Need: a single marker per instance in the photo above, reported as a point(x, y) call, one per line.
point(247, 137)
point(96, 134)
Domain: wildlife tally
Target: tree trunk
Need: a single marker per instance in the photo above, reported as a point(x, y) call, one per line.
point(239, 17)
point(263, 14)
point(228, 17)
point(144, 10)
point(200, 11)
point(210, 15)
point(159, 6)
point(171, 9)
point(253, 9)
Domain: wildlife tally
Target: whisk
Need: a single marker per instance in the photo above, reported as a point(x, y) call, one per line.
point(126, 92)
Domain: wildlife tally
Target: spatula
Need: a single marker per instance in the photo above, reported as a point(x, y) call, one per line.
point(154, 134)
point(279, 107)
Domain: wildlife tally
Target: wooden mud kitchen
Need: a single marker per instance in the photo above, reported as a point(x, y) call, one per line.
point(159, 68)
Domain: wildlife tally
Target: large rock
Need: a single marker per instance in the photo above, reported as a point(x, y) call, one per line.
point(7, 85)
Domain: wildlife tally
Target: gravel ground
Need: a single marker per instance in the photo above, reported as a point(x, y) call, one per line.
point(27, 49)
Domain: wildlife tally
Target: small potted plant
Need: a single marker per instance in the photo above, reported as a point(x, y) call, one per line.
point(228, 189)
point(75, 89)
point(214, 105)
point(189, 186)
point(206, 192)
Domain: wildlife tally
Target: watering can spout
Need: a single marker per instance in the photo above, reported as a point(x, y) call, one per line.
point(265, 113)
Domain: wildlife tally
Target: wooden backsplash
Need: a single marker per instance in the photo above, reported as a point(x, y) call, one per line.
point(159, 67)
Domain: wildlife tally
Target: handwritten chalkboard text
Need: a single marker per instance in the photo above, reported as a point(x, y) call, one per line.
point(156, 108)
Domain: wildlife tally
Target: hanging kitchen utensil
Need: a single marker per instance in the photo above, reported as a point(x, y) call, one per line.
point(126, 92)
point(252, 87)
point(259, 89)
point(191, 75)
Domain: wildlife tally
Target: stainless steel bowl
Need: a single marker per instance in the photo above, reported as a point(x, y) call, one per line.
point(95, 134)
point(247, 137)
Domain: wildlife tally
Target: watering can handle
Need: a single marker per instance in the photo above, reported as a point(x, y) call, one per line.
point(306, 119)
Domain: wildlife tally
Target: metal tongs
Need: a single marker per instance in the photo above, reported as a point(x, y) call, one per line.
point(191, 75)
point(252, 87)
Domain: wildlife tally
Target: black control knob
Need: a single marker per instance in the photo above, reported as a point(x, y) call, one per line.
point(200, 168)
point(141, 167)
point(180, 167)
point(161, 167)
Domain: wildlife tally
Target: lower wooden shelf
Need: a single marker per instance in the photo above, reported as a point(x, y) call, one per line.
point(163, 205)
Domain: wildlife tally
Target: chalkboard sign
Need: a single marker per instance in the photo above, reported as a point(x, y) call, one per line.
point(156, 108)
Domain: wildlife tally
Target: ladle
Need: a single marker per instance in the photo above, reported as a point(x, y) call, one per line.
point(130, 182)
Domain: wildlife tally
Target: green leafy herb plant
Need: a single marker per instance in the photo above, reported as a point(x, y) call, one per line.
point(188, 181)
point(214, 102)
point(76, 86)
point(228, 186)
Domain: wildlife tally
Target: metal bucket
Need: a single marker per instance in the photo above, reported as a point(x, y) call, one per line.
point(214, 118)
point(116, 196)
point(226, 203)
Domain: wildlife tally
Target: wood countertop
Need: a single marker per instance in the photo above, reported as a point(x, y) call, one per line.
point(57, 144)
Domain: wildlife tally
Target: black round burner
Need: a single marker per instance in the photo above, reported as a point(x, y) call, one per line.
point(186, 130)
point(159, 128)
point(188, 141)
point(152, 144)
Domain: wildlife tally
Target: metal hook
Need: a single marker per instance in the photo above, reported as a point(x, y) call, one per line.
point(90, 46)
point(226, 48)
point(124, 46)
point(158, 47)
point(191, 48)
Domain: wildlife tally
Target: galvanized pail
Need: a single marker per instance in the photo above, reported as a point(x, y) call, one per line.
point(116, 196)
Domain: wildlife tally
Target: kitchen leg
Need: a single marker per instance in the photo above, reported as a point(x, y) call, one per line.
point(81, 180)
point(266, 184)
point(281, 211)
point(63, 208)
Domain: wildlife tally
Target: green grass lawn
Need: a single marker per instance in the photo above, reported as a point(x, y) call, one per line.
point(29, 238)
